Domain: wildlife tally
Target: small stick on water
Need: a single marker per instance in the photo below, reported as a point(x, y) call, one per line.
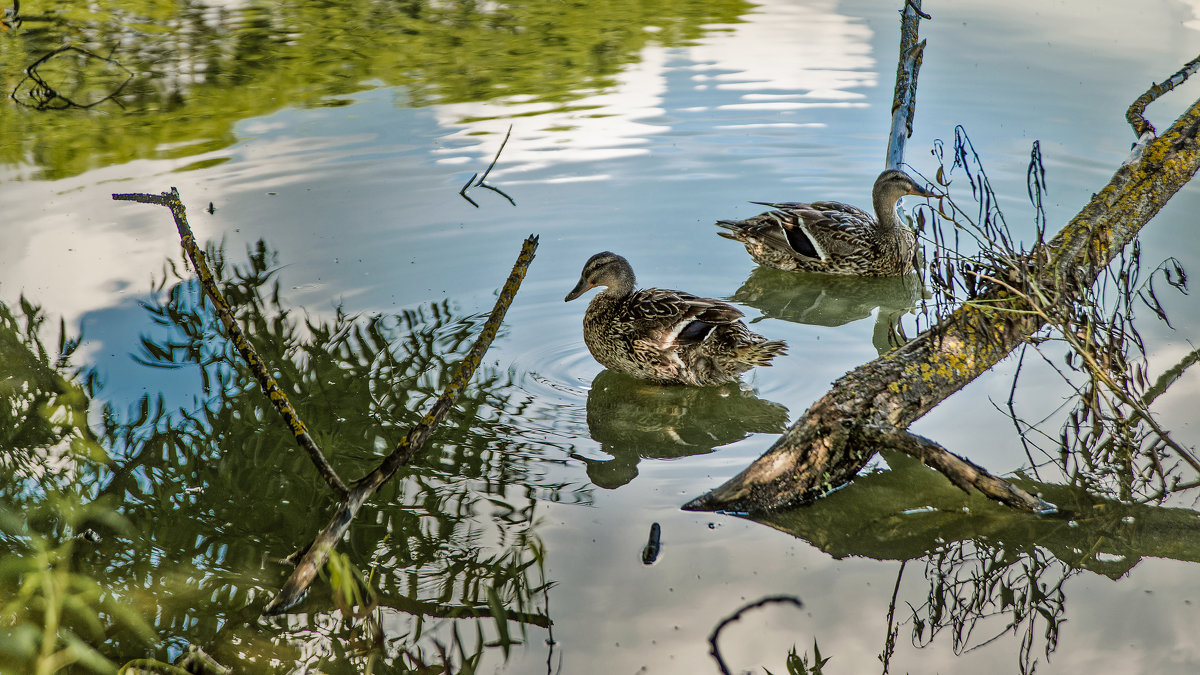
point(471, 182)
point(268, 384)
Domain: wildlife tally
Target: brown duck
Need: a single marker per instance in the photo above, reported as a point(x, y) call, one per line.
point(669, 337)
point(832, 237)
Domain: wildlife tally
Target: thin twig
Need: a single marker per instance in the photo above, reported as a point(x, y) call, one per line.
point(889, 642)
point(480, 183)
point(268, 384)
point(417, 436)
point(43, 94)
point(712, 638)
point(1099, 372)
point(916, 7)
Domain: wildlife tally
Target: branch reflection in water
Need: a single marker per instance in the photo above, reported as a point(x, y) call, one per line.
point(634, 420)
point(827, 300)
point(450, 546)
point(989, 570)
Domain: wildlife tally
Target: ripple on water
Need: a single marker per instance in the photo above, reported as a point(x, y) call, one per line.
point(561, 372)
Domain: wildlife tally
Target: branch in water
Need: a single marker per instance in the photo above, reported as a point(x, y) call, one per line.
point(471, 182)
point(268, 384)
point(318, 552)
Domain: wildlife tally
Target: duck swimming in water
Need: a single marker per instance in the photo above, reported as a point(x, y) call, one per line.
point(665, 336)
point(832, 237)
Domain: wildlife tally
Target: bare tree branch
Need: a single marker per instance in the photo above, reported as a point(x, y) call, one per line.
point(318, 552)
point(904, 98)
point(269, 386)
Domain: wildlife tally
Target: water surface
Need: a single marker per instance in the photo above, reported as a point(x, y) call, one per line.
point(340, 137)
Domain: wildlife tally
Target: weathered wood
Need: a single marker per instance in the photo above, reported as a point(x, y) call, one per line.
point(895, 390)
point(904, 97)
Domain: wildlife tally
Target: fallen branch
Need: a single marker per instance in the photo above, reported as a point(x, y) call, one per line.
point(312, 558)
point(318, 552)
point(813, 456)
point(963, 473)
point(268, 384)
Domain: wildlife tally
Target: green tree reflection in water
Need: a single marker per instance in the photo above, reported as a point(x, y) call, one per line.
point(989, 571)
point(50, 465)
point(200, 67)
point(217, 493)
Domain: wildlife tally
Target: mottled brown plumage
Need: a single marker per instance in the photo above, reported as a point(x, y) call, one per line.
point(832, 237)
point(665, 336)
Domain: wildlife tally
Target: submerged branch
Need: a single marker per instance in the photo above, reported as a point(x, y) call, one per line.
point(963, 473)
point(471, 182)
point(318, 552)
point(715, 651)
point(268, 384)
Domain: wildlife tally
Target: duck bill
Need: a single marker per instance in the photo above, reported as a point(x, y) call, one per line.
point(922, 192)
point(580, 288)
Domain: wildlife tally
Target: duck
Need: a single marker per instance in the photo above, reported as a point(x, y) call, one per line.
point(665, 336)
point(832, 237)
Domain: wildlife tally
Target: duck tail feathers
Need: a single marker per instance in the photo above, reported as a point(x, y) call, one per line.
point(761, 353)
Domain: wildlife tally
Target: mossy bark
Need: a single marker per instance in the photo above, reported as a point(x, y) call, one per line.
point(870, 407)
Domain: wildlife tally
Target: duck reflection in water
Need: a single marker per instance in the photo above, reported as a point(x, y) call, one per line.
point(826, 300)
point(632, 419)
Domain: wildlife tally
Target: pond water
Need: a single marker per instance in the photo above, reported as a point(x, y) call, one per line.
point(331, 143)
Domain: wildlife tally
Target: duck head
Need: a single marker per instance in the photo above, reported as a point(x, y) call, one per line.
point(604, 269)
point(893, 184)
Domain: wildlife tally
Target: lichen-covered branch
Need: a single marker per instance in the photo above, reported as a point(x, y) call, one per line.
point(268, 384)
point(813, 456)
point(1136, 115)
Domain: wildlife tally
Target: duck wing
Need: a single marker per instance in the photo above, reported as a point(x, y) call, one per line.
point(672, 319)
point(822, 230)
